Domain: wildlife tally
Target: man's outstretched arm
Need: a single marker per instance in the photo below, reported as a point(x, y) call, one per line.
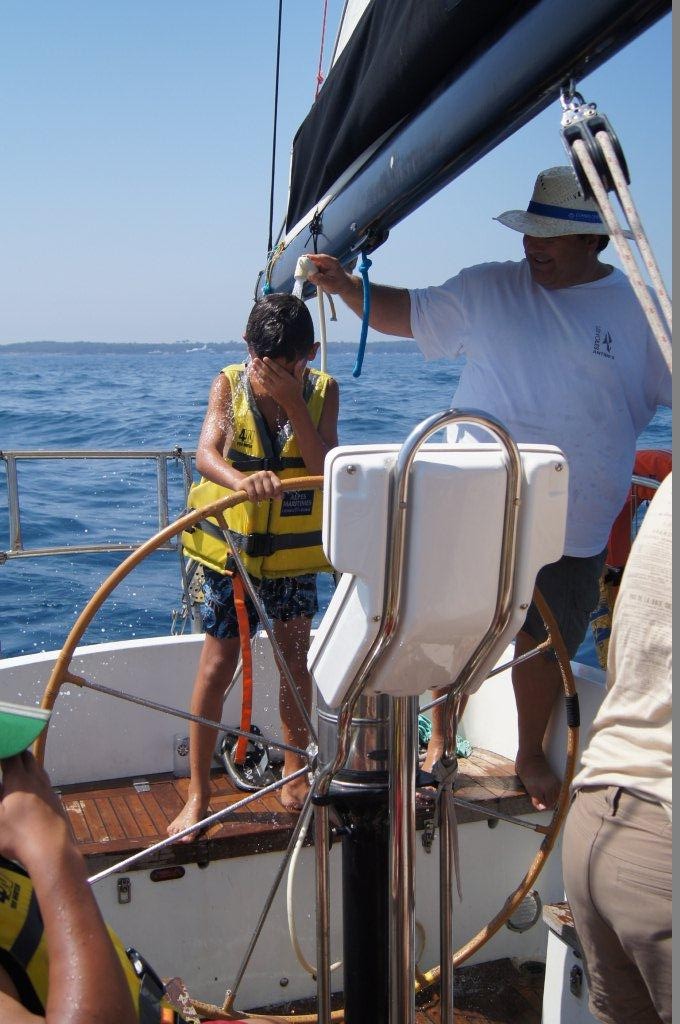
point(390, 307)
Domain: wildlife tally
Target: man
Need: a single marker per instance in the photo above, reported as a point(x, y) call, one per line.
point(558, 349)
point(617, 852)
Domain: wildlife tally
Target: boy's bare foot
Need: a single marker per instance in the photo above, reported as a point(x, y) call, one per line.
point(539, 780)
point(194, 810)
point(293, 794)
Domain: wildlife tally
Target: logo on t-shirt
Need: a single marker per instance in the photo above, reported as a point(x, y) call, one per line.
point(603, 343)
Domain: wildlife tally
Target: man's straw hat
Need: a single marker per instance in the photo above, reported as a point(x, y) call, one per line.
point(557, 207)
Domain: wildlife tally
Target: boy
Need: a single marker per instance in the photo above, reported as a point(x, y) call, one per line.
point(271, 412)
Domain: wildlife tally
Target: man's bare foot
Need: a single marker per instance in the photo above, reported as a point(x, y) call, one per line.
point(435, 749)
point(539, 780)
point(194, 810)
point(293, 794)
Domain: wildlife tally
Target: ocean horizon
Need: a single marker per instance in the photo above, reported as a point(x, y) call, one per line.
point(123, 399)
point(184, 345)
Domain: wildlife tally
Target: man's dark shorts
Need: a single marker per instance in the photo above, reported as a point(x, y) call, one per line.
point(570, 587)
point(286, 598)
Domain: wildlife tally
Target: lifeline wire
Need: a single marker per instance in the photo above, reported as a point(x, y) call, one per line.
point(363, 269)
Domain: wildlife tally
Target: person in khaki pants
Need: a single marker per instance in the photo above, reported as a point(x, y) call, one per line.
point(618, 836)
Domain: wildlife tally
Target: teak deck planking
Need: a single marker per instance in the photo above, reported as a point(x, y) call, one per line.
point(112, 820)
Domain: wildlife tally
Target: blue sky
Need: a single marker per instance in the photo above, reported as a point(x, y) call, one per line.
point(135, 147)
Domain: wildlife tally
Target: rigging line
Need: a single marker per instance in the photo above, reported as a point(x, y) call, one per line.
point(633, 218)
point(290, 903)
point(276, 114)
point(319, 73)
point(625, 252)
point(363, 269)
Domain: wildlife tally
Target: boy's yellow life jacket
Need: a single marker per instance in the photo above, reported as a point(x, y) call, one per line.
point(274, 538)
point(23, 951)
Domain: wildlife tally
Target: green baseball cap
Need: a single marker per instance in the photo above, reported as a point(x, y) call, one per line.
point(20, 725)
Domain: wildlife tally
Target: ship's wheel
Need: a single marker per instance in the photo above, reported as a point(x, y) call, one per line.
point(425, 981)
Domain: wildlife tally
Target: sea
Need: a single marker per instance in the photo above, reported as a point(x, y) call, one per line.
point(153, 399)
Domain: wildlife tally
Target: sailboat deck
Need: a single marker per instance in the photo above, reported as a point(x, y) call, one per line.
point(497, 992)
point(112, 820)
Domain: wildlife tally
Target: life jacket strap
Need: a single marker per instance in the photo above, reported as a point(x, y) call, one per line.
point(251, 463)
point(263, 545)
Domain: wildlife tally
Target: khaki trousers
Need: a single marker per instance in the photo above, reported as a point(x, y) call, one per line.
point(618, 878)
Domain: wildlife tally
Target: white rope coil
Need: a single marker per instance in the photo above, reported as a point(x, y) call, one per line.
point(290, 902)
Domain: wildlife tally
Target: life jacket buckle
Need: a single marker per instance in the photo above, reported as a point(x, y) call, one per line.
point(259, 545)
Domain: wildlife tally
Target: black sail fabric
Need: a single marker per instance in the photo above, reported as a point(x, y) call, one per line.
point(402, 53)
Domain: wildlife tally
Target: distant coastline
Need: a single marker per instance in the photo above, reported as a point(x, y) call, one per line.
point(130, 348)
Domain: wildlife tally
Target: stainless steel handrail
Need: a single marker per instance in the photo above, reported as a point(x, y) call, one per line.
point(645, 481)
point(404, 710)
point(17, 548)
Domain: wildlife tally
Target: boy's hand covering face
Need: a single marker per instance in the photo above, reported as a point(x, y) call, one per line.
point(283, 383)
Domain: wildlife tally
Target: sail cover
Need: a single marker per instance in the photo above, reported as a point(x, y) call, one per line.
point(401, 53)
point(421, 90)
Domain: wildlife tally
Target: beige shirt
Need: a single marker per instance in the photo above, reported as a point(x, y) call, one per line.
point(630, 741)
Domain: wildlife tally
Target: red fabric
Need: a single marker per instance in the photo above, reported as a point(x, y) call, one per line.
point(653, 463)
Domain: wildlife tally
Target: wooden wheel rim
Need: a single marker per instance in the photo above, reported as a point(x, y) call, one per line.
point(60, 673)
point(430, 978)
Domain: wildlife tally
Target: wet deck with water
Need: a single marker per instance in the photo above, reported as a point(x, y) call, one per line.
point(493, 993)
point(112, 820)
point(497, 992)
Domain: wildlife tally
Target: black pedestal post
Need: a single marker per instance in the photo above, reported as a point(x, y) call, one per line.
point(365, 886)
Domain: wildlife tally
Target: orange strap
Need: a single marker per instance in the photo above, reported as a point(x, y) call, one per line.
point(247, 662)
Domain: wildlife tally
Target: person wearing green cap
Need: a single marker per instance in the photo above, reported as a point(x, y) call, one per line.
point(86, 982)
point(59, 962)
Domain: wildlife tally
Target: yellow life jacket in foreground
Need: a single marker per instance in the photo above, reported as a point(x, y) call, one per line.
point(23, 952)
point(274, 538)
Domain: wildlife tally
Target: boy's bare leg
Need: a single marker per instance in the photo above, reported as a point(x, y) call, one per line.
point(293, 639)
point(216, 668)
point(537, 683)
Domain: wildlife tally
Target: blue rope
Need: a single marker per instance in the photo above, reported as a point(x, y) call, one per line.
point(363, 269)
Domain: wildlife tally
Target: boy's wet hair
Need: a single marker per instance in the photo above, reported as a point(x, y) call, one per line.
point(280, 325)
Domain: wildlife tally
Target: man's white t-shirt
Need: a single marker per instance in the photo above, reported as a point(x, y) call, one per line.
point(630, 743)
point(575, 367)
